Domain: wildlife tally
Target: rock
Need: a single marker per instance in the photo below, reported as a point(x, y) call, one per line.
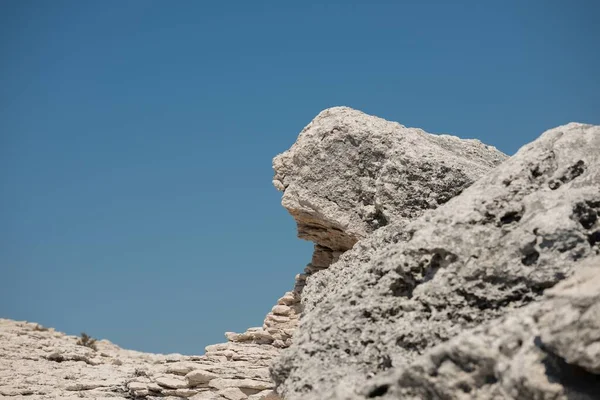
point(288, 299)
point(281, 310)
point(171, 382)
point(232, 394)
point(153, 387)
point(220, 384)
point(350, 173)
point(265, 395)
point(139, 389)
point(571, 327)
point(135, 386)
point(186, 393)
point(547, 350)
point(199, 376)
point(491, 250)
point(255, 336)
point(390, 162)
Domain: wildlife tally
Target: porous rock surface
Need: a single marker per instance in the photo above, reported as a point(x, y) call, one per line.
point(547, 350)
point(481, 256)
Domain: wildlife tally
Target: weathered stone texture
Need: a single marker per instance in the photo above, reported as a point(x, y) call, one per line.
point(489, 251)
point(547, 350)
point(350, 173)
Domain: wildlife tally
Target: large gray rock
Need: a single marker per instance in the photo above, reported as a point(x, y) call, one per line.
point(547, 350)
point(350, 173)
point(491, 250)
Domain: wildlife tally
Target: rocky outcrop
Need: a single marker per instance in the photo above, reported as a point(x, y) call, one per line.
point(483, 255)
point(422, 284)
point(350, 174)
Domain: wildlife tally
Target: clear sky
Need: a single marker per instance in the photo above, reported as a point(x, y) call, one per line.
point(137, 137)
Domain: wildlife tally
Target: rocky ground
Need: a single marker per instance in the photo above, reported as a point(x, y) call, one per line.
point(441, 270)
point(40, 363)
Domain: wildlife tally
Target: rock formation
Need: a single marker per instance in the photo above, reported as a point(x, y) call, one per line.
point(484, 254)
point(350, 174)
point(347, 175)
point(436, 274)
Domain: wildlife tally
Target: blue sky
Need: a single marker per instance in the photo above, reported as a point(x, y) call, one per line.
point(137, 138)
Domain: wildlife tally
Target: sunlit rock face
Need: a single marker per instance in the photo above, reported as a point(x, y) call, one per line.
point(472, 263)
point(350, 173)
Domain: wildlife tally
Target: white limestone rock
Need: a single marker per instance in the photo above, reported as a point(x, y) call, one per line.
point(199, 377)
point(491, 250)
point(350, 173)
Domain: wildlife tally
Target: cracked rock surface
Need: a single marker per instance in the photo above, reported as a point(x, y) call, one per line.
point(484, 254)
